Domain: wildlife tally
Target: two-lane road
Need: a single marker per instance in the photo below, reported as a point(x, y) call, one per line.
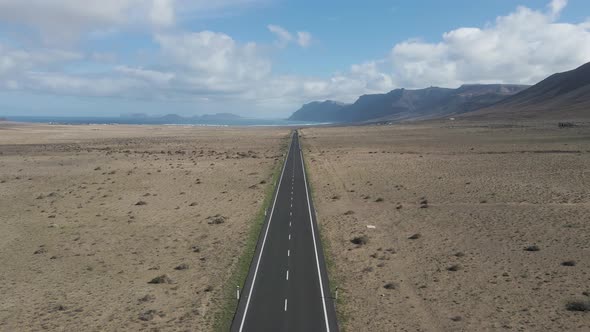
point(287, 286)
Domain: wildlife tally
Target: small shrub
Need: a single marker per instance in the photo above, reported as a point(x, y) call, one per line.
point(163, 279)
point(390, 285)
point(454, 268)
point(147, 315)
point(582, 306)
point(568, 263)
point(565, 125)
point(60, 307)
point(415, 236)
point(182, 266)
point(360, 240)
point(532, 248)
point(216, 219)
point(147, 298)
point(40, 251)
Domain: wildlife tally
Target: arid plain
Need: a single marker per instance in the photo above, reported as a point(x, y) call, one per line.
point(106, 228)
point(455, 227)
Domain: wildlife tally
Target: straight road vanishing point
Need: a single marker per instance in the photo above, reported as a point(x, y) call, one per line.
point(287, 285)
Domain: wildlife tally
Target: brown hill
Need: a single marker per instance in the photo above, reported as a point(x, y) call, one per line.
point(560, 96)
point(405, 104)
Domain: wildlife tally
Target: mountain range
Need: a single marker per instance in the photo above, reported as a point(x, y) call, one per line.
point(560, 95)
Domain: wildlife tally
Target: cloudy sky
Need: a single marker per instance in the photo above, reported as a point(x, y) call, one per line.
point(264, 58)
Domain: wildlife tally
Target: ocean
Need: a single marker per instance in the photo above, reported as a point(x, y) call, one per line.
point(158, 121)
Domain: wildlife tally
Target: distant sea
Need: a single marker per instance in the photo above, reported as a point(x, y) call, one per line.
point(159, 121)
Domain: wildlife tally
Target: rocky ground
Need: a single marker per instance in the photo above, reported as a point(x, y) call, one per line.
point(445, 227)
point(112, 228)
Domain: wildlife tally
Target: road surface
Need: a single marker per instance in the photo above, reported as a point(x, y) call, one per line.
point(287, 286)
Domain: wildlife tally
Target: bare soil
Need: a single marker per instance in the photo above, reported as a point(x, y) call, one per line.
point(474, 227)
point(107, 228)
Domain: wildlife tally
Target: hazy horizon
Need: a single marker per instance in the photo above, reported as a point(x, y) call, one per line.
point(265, 58)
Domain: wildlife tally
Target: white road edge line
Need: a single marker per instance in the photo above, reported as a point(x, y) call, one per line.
point(264, 241)
point(317, 260)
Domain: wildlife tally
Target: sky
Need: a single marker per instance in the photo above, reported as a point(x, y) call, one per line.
point(265, 58)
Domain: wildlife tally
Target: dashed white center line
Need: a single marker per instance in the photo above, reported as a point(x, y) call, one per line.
point(289, 224)
point(288, 252)
point(285, 304)
point(289, 236)
point(287, 275)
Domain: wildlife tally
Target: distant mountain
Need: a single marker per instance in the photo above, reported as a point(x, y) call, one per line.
point(171, 118)
point(404, 104)
point(219, 116)
point(396, 104)
point(562, 95)
point(318, 111)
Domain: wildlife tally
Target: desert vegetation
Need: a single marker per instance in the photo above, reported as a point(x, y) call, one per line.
point(118, 228)
point(485, 224)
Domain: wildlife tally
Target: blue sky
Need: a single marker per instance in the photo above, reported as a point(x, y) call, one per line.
point(264, 58)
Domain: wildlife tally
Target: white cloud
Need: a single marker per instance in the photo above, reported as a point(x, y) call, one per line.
point(162, 12)
point(284, 37)
point(17, 60)
point(60, 83)
point(556, 6)
point(103, 56)
point(303, 38)
point(65, 21)
point(151, 76)
point(214, 56)
point(522, 47)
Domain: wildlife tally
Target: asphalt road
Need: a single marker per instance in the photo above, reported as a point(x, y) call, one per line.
point(287, 286)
